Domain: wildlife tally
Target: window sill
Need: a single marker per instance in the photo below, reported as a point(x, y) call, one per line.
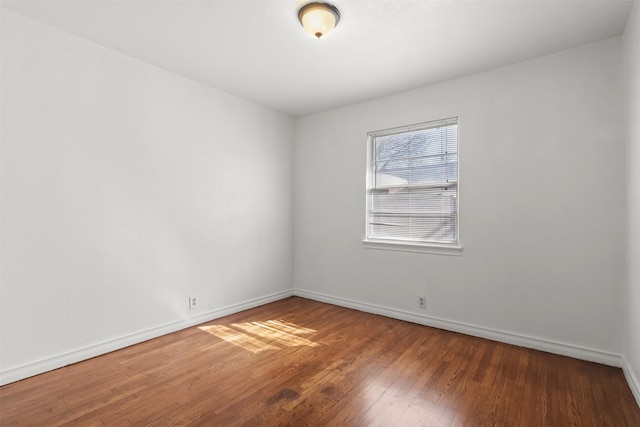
point(427, 248)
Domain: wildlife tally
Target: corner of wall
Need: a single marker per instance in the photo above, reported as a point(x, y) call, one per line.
point(631, 328)
point(632, 380)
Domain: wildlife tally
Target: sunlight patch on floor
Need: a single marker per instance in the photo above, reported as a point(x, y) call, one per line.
point(264, 335)
point(237, 338)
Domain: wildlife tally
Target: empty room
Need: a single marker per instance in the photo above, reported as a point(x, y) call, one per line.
point(345, 213)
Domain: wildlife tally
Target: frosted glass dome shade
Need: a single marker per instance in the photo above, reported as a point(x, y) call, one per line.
point(318, 19)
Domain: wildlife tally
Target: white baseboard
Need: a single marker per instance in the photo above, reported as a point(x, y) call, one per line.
point(577, 352)
point(632, 379)
point(50, 363)
point(58, 361)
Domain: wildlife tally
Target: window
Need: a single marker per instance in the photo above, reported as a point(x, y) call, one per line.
point(412, 185)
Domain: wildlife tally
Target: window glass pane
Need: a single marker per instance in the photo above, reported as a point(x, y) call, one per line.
point(414, 189)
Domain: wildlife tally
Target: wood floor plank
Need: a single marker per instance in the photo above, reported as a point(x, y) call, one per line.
point(298, 362)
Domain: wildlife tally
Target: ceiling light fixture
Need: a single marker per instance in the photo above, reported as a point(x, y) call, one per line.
point(318, 19)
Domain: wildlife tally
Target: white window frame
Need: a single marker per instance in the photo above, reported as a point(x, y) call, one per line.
point(407, 245)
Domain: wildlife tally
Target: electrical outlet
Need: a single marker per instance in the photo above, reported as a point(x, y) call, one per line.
point(193, 303)
point(422, 302)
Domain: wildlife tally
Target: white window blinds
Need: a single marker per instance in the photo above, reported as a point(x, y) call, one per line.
point(412, 191)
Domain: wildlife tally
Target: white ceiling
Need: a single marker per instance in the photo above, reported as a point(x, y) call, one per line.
point(258, 51)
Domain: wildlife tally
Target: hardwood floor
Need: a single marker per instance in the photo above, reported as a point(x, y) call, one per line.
point(298, 362)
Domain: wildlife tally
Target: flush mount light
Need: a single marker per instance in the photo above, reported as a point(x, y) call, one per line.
point(318, 19)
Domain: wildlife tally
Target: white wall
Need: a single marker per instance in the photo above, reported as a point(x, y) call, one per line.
point(631, 351)
point(125, 189)
point(542, 205)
